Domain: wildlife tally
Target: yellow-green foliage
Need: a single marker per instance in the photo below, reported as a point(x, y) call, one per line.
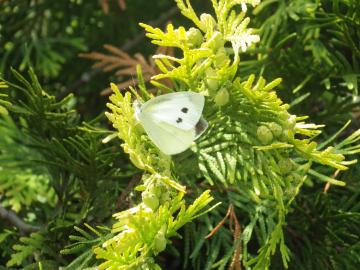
point(20, 186)
point(23, 189)
point(142, 152)
point(3, 102)
point(143, 230)
point(36, 243)
point(253, 144)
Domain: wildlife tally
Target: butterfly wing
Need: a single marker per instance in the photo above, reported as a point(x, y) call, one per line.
point(181, 109)
point(169, 139)
point(200, 127)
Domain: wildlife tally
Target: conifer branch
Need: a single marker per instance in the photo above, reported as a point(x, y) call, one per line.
point(11, 216)
point(86, 77)
point(263, 162)
point(125, 66)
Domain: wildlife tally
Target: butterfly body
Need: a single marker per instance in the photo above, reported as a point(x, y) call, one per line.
point(173, 121)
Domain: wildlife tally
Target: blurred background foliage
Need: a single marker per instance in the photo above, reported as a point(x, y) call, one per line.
point(55, 173)
point(315, 47)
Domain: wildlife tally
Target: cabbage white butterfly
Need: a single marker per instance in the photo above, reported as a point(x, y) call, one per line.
point(172, 121)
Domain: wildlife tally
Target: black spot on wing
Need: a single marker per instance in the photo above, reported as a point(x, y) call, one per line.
point(200, 127)
point(179, 120)
point(184, 110)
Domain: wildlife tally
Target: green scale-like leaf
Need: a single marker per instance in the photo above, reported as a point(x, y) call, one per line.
point(254, 148)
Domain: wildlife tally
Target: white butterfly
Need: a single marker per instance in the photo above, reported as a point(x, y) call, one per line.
point(172, 121)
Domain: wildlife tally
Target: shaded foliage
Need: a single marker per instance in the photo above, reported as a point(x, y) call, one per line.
point(288, 189)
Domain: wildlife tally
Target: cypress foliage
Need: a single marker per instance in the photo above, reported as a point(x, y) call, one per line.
point(271, 184)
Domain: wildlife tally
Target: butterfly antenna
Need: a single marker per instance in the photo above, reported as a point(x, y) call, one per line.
point(134, 91)
point(132, 78)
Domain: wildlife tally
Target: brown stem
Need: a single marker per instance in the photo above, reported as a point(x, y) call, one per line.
point(221, 223)
point(11, 216)
point(236, 262)
point(327, 185)
point(123, 199)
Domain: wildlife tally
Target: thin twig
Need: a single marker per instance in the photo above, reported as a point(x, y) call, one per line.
point(11, 216)
point(89, 75)
point(236, 262)
point(327, 185)
point(122, 201)
point(221, 223)
point(235, 228)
